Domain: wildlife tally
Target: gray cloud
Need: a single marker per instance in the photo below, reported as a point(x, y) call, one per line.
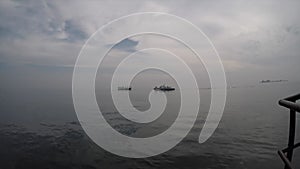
point(127, 45)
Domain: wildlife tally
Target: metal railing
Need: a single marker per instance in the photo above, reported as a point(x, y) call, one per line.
point(287, 153)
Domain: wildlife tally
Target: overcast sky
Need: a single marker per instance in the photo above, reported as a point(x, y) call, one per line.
point(255, 39)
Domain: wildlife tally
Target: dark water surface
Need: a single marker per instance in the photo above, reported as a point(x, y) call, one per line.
point(39, 129)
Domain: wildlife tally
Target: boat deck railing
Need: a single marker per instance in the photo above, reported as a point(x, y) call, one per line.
point(287, 153)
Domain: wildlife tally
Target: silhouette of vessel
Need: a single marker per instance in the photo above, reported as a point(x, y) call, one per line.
point(164, 88)
point(272, 81)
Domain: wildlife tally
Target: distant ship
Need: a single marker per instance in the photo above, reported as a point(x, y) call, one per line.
point(124, 88)
point(272, 81)
point(164, 88)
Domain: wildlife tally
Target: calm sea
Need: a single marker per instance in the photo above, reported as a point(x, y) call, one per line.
point(39, 129)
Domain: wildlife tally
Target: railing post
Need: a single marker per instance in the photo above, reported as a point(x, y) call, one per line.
point(291, 135)
point(287, 154)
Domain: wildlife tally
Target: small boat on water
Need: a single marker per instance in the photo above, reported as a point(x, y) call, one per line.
point(124, 88)
point(164, 88)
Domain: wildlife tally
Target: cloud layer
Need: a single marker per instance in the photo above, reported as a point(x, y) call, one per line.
point(259, 39)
